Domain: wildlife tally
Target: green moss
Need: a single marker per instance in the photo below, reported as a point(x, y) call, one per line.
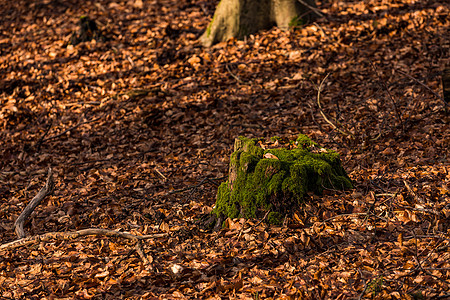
point(304, 142)
point(275, 138)
point(259, 182)
point(275, 218)
point(296, 22)
point(208, 29)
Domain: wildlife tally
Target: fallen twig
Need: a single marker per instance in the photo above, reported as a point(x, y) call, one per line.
point(345, 215)
point(160, 174)
point(384, 85)
point(423, 210)
point(141, 252)
point(314, 9)
point(238, 236)
point(70, 129)
point(262, 220)
point(41, 140)
point(419, 263)
point(143, 92)
point(45, 190)
point(70, 235)
point(251, 227)
point(412, 193)
point(234, 76)
point(323, 31)
point(205, 11)
point(385, 195)
point(204, 180)
point(90, 162)
point(425, 86)
point(365, 286)
point(319, 90)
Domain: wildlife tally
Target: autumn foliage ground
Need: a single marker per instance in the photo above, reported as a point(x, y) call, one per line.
point(138, 129)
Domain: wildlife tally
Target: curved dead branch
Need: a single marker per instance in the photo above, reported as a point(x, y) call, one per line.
point(319, 90)
point(71, 235)
point(47, 189)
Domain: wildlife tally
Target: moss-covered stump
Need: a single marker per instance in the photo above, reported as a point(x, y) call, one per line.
point(263, 178)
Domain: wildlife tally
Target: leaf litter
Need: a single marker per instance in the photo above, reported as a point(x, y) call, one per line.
point(132, 124)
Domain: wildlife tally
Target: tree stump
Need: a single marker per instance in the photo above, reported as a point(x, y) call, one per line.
point(264, 179)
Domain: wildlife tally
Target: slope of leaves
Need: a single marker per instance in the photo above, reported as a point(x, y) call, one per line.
point(139, 128)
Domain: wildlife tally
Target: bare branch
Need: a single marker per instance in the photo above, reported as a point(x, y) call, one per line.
point(319, 90)
point(70, 129)
point(71, 235)
point(425, 86)
point(234, 76)
point(45, 190)
point(384, 85)
point(314, 9)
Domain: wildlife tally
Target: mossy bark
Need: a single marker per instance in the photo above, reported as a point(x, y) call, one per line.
point(239, 18)
point(277, 180)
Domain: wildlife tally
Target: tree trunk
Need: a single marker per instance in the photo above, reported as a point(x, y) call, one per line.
point(239, 18)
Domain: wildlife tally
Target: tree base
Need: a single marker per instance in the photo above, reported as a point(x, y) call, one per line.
point(239, 18)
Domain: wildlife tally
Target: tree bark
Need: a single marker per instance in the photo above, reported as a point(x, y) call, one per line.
point(239, 18)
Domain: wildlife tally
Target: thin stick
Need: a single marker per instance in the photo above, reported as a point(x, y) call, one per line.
point(314, 9)
point(202, 182)
point(262, 220)
point(384, 85)
point(41, 140)
point(238, 236)
point(423, 210)
point(412, 193)
point(234, 76)
point(419, 263)
point(385, 195)
point(71, 235)
point(202, 6)
point(319, 90)
point(365, 286)
point(242, 228)
point(160, 174)
point(344, 215)
point(141, 253)
point(425, 86)
point(321, 29)
point(45, 190)
point(70, 129)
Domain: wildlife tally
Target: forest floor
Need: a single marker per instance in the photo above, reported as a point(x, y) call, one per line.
point(138, 128)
